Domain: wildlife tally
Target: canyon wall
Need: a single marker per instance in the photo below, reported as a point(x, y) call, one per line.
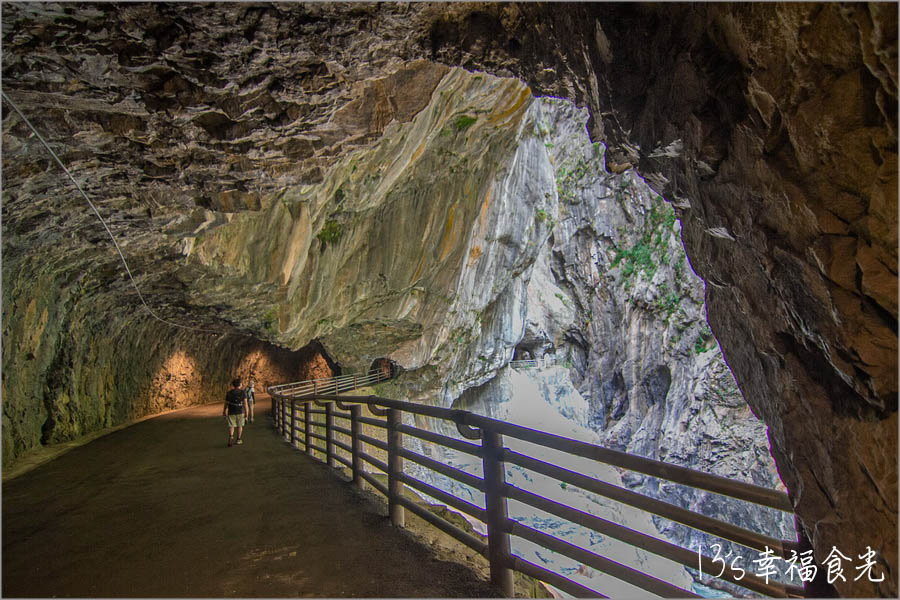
point(771, 129)
point(614, 307)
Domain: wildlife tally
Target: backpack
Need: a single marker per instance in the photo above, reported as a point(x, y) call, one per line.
point(235, 399)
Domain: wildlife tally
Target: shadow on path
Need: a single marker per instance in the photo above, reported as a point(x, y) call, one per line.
point(165, 509)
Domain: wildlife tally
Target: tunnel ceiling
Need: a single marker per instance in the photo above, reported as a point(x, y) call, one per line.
point(772, 128)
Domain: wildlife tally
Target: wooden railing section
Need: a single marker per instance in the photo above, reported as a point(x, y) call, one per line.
point(308, 422)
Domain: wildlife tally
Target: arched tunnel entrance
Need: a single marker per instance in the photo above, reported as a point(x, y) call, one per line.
point(269, 364)
point(387, 368)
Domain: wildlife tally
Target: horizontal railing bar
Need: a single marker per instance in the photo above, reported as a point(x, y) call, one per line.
point(643, 541)
point(445, 526)
point(317, 411)
point(443, 440)
point(319, 448)
point(601, 563)
point(343, 430)
point(696, 479)
point(372, 373)
point(451, 472)
point(682, 475)
point(342, 445)
point(467, 507)
point(555, 579)
point(373, 421)
point(374, 462)
point(373, 441)
point(318, 437)
point(344, 461)
point(339, 383)
point(374, 483)
point(419, 409)
point(745, 537)
point(341, 415)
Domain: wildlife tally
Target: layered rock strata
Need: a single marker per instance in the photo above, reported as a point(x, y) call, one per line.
point(771, 128)
point(615, 318)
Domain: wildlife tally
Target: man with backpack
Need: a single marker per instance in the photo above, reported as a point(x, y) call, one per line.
point(234, 410)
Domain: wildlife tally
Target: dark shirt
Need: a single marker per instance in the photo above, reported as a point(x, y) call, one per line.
point(235, 400)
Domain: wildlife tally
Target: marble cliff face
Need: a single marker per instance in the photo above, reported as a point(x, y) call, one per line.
point(226, 147)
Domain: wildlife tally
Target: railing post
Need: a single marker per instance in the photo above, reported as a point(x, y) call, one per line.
point(275, 404)
point(307, 428)
point(355, 443)
point(329, 434)
point(496, 512)
point(395, 467)
point(284, 421)
point(293, 422)
point(273, 412)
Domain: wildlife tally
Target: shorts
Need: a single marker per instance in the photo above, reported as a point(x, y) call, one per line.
point(235, 420)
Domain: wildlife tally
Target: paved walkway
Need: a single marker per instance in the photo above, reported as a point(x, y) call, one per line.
point(165, 509)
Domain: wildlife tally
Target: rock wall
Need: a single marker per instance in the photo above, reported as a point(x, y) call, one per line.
point(413, 249)
point(617, 301)
point(613, 305)
point(770, 127)
point(76, 362)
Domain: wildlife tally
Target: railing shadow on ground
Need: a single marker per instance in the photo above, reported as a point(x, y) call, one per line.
point(305, 412)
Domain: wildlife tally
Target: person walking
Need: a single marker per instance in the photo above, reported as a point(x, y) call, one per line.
point(234, 410)
point(251, 400)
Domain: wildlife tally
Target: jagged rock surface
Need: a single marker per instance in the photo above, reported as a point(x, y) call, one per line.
point(636, 337)
point(772, 129)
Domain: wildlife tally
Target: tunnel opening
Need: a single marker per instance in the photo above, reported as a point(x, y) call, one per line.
point(269, 364)
point(387, 368)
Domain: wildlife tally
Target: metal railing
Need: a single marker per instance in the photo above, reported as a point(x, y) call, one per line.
point(329, 385)
point(534, 363)
point(298, 420)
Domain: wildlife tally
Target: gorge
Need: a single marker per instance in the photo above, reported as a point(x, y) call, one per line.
point(362, 181)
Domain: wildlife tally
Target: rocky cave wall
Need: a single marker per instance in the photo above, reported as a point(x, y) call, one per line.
point(73, 364)
point(614, 305)
point(773, 131)
point(642, 353)
point(770, 127)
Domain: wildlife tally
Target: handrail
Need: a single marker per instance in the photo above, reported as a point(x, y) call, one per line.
point(533, 363)
point(338, 383)
point(496, 491)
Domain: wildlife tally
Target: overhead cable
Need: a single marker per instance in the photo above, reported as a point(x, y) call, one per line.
point(96, 212)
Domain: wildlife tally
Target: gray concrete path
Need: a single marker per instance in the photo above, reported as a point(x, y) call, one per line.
point(165, 509)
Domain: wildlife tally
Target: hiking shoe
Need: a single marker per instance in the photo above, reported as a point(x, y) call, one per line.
point(230, 442)
point(240, 441)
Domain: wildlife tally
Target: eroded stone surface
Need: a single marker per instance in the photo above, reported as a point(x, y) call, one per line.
point(772, 128)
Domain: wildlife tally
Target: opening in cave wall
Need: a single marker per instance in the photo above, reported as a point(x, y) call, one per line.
point(637, 369)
